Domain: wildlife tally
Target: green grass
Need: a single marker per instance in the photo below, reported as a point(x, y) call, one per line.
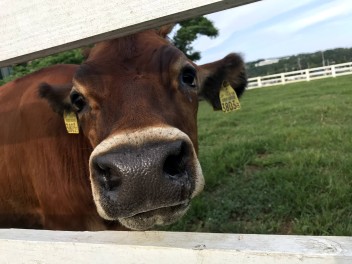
point(281, 165)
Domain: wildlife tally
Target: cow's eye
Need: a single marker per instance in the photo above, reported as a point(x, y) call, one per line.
point(78, 101)
point(188, 76)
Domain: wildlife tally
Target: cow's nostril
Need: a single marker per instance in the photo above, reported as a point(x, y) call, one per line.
point(106, 177)
point(175, 163)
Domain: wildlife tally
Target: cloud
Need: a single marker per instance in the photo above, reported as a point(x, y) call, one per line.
point(312, 17)
point(244, 18)
point(274, 28)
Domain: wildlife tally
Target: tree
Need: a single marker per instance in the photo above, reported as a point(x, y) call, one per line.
point(189, 31)
point(72, 56)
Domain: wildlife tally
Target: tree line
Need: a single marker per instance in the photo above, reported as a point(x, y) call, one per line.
point(301, 62)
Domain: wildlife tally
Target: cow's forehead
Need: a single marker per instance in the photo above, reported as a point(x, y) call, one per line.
point(143, 53)
point(128, 49)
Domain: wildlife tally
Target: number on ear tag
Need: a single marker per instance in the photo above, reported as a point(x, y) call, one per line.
point(71, 122)
point(228, 98)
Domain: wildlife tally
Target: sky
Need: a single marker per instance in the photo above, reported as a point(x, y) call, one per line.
point(277, 28)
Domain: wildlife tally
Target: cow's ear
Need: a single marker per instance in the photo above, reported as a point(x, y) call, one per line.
point(85, 52)
point(58, 96)
point(165, 30)
point(212, 75)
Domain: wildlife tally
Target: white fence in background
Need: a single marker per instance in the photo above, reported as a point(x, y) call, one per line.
point(301, 75)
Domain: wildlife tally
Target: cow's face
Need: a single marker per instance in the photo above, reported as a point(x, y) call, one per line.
point(136, 99)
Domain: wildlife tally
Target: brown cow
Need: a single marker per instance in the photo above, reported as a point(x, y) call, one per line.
point(134, 163)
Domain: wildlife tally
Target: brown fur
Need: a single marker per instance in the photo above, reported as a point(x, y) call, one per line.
point(131, 83)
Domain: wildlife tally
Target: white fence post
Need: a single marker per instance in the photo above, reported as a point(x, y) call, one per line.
point(333, 71)
point(307, 75)
point(259, 81)
point(283, 80)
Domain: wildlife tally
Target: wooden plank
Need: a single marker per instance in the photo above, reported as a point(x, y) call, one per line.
point(32, 29)
point(31, 246)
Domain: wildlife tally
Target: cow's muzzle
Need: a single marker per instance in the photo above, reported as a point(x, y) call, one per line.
point(145, 184)
point(162, 164)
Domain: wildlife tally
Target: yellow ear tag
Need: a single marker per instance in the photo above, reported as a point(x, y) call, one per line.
point(71, 122)
point(228, 98)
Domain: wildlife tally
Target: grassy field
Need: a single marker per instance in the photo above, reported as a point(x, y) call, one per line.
point(281, 165)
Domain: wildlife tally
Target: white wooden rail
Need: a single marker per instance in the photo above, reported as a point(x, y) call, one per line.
point(302, 75)
point(36, 28)
point(29, 246)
